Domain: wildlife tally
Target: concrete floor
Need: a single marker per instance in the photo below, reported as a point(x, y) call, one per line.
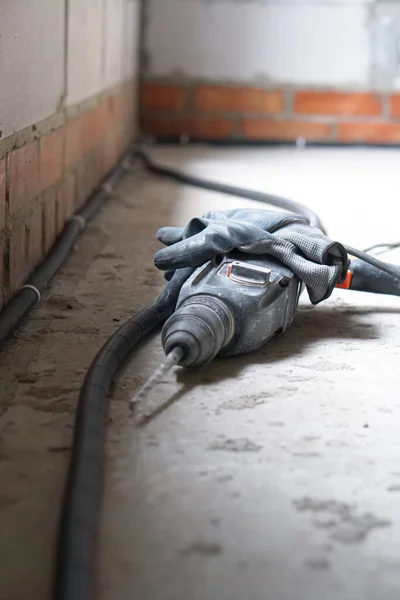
point(273, 476)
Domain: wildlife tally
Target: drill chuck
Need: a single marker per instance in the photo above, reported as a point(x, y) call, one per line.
point(201, 327)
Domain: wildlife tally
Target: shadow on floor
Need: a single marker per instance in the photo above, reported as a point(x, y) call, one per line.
point(310, 326)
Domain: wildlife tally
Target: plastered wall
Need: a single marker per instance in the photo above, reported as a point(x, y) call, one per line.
point(345, 48)
point(299, 43)
point(55, 54)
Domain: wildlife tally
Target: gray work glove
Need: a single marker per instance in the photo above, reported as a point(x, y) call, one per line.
point(319, 262)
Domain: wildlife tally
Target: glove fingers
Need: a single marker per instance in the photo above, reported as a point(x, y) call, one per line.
point(270, 220)
point(170, 235)
point(217, 238)
point(196, 250)
point(169, 296)
point(168, 275)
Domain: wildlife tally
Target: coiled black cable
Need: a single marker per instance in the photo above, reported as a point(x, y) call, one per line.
point(78, 528)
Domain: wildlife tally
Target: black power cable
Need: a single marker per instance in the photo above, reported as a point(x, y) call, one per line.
point(374, 262)
point(231, 190)
point(383, 247)
point(78, 528)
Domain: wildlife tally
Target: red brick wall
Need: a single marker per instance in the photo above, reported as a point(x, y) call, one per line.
point(50, 169)
point(247, 113)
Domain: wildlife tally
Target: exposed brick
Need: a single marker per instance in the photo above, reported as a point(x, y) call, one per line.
point(3, 291)
point(104, 117)
point(88, 175)
point(107, 114)
point(23, 173)
point(82, 184)
point(51, 157)
point(395, 106)
point(74, 148)
point(118, 106)
point(95, 168)
point(197, 127)
point(127, 135)
point(130, 99)
point(94, 127)
point(337, 103)
point(119, 110)
point(18, 264)
point(2, 192)
point(113, 147)
point(284, 130)
point(34, 238)
point(220, 98)
point(110, 152)
point(120, 141)
point(65, 205)
point(49, 219)
point(121, 99)
point(112, 110)
point(162, 96)
point(379, 133)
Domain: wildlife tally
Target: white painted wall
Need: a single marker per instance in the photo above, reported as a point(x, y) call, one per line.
point(31, 61)
point(102, 45)
point(296, 42)
point(36, 78)
point(84, 60)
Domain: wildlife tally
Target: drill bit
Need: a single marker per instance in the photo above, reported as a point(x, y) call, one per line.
point(170, 361)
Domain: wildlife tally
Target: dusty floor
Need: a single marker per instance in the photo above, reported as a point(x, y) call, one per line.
point(269, 477)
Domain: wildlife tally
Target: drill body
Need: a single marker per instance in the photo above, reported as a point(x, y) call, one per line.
point(231, 305)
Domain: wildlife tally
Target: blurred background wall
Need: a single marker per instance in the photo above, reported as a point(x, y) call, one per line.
point(323, 70)
point(258, 70)
point(68, 76)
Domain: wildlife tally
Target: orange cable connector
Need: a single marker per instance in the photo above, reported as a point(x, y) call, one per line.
point(345, 285)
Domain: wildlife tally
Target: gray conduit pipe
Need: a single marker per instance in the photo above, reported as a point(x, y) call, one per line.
point(29, 295)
